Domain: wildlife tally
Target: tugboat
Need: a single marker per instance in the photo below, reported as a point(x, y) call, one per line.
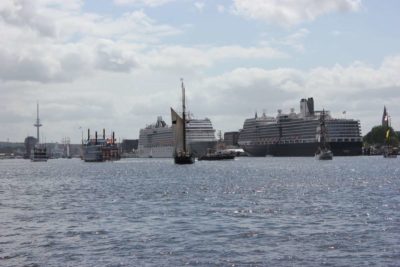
point(323, 151)
point(182, 154)
point(220, 153)
point(217, 155)
point(39, 150)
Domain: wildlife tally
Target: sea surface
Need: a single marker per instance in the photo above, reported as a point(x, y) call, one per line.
point(246, 212)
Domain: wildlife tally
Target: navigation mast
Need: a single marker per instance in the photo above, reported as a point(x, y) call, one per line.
point(37, 124)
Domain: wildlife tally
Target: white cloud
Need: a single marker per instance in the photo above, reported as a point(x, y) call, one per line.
point(151, 3)
point(53, 40)
point(199, 6)
point(291, 12)
point(294, 40)
point(359, 88)
point(195, 57)
point(221, 8)
point(336, 33)
point(126, 102)
point(98, 71)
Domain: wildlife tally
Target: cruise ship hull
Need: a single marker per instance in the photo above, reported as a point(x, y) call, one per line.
point(198, 148)
point(302, 149)
point(156, 152)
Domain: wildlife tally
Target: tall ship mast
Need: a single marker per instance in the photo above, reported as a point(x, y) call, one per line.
point(295, 134)
point(323, 152)
point(182, 154)
point(388, 150)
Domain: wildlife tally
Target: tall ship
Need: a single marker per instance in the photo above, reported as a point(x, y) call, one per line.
point(157, 140)
point(99, 149)
point(182, 152)
point(389, 150)
point(323, 152)
point(297, 134)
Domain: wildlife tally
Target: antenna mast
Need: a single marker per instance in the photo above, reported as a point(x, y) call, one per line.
point(37, 124)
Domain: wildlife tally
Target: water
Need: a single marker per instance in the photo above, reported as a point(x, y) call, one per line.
point(247, 212)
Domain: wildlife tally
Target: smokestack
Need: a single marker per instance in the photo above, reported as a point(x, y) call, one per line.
point(104, 134)
point(113, 137)
point(310, 105)
point(95, 136)
point(88, 134)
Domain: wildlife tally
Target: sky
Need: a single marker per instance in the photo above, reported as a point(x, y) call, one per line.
point(117, 64)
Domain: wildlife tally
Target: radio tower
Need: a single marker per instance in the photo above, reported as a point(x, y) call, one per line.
point(37, 124)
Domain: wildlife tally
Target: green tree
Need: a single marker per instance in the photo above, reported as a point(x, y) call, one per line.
point(377, 136)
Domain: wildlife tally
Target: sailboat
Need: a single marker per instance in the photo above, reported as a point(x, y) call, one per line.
point(323, 151)
point(388, 150)
point(40, 150)
point(182, 153)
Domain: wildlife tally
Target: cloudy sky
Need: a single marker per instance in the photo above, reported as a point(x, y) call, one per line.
point(117, 64)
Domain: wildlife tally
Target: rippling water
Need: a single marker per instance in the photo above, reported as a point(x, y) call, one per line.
point(246, 212)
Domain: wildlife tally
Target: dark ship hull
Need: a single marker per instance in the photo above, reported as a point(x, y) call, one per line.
point(98, 153)
point(39, 155)
point(217, 157)
point(184, 160)
point(302, 149)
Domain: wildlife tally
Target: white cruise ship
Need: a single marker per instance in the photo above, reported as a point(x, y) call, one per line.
point(157, 140)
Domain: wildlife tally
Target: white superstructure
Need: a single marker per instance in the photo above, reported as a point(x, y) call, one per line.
point(157, 140)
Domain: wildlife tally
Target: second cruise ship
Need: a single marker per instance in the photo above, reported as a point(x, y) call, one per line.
point(157, 140)
point(296, 134)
